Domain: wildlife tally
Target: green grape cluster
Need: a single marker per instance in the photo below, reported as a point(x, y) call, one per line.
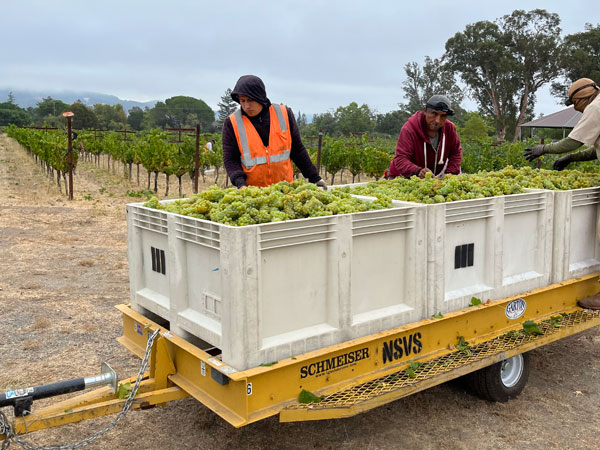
point(438, 190)
point(551, 179)
point(275, 203)
point(478, 185)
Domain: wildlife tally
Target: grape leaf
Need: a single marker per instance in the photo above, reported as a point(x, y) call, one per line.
point(463, 346)
point(269, 364)
point(124, 390)
point(530, 327)
point(414, 365)
point(475, 301)
point(308, 397)
point(556, 321)
point(512, 333)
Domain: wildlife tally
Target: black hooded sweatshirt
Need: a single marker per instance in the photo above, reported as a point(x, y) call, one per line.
point(253, 87)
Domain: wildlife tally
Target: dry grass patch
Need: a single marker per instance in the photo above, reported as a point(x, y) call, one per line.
point(41, 323)
point(60, 238)
point(31, 344)
point(11, 381)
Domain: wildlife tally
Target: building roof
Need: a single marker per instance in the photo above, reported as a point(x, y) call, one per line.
point(567, 118)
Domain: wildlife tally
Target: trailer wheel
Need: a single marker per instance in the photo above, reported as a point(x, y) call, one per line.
point(503, 380)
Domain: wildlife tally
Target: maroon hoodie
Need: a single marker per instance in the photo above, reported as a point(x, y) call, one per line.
point(414, 150)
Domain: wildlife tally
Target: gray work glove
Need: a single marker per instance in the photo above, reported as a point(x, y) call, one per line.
point(563, 162)
point(533, 153)
point(322, 184)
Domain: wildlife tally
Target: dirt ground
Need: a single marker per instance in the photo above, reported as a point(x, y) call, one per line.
point(64, 268)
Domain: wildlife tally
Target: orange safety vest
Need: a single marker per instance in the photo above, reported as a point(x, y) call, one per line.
point(265, 165)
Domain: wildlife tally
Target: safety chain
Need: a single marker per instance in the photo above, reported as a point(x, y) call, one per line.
point(6, 428)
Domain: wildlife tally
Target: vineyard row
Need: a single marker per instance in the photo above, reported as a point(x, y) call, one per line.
point(158, 154)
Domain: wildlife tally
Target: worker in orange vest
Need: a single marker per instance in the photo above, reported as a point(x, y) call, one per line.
point(261, 140)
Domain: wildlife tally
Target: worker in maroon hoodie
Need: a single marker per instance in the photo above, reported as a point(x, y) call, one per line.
point(428, 142)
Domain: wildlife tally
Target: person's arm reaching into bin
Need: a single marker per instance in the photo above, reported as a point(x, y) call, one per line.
point(584, 155)
point(563, 146)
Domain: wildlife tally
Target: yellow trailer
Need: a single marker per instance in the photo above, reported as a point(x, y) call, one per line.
point(488, 342)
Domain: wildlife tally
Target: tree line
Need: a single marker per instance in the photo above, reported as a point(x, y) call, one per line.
point(175, 112)
point(500, 64)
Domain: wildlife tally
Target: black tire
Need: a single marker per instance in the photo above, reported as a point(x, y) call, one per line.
point(496, 384)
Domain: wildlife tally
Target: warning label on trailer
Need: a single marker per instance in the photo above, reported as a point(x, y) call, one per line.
point(19, 393)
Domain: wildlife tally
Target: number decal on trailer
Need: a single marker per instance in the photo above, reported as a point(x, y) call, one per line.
point(249, 388)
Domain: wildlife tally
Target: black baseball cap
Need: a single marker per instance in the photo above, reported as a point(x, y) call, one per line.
point(440, 103)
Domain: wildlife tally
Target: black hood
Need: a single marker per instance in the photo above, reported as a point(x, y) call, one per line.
point(253, 87)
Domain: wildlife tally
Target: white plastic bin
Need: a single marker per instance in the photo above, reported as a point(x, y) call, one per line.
point(528, 221)
point(265, 292)
point(576, 249)
point(488, 248)
point(388, 270)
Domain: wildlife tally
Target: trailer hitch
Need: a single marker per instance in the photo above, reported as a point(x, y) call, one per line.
point(22, 399)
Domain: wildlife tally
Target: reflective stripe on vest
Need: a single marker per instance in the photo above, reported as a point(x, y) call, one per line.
point(280, 118)
point(281, 157)
point(247, 160)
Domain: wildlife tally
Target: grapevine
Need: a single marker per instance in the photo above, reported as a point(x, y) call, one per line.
point(361, 156)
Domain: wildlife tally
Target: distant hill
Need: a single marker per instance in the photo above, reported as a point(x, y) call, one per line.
point(25, 99)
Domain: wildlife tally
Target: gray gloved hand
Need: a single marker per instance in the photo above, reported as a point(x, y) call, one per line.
point(533, 153)
point(561, 163)
point(322, 184)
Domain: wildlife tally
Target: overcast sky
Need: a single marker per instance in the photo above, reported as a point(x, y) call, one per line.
point(312, 55)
